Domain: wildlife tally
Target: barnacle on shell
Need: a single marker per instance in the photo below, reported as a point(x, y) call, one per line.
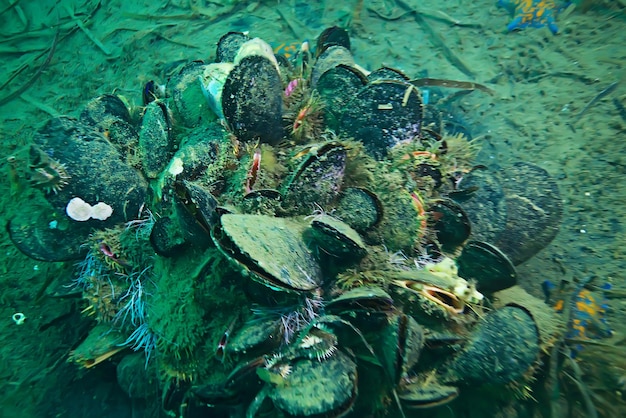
point(50, 177)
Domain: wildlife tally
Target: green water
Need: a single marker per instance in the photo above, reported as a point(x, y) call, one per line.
point(554, 102)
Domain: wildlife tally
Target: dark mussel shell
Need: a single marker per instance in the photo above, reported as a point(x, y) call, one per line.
point(534, 210)
point(135, 378)
point(252, 100)
point(489, 267)
point(110, 115)
point(228, 46)
point(387, 73)
point(331, 58)
point(383, 114)
point(452, 224)
point(166, 238)
point(156, 142)
point(333, 36)
point(195, 212)
point(481, 196)
point(399, 346)
point(107, 106)
point(96, 170)
point(36, 239)
point(359, 208)
point(503, 347)
point(336, 87)
point(317, 179)
point(364, 298)
point(336, 237)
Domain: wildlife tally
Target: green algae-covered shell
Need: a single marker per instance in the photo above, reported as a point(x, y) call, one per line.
point(359, 208)
point(272, 249)
point(256, 335)
point(318, 388)
point(189, 106)
point(155, 139)
point(503, 347)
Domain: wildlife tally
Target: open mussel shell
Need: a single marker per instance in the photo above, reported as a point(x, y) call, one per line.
point(318, 388)
point(336, 87)
point(228, 46)
point(485, 264)
point(252, 100)
point(363, 298)
point(399, 346)
point(156, 142)
point(189, 106)
point(336, 237)
point(420, 395)
point(333, 36)
point(481, 196)
point(212, 85)
point(317, 179)
point(195, 212)
point(533, 208)
point(502, 348)
point(452, 225)
point(383, 114)
point(359, 208)
point(330, 58)
point(271, 249)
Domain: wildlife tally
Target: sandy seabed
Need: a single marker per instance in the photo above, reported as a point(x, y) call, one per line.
point(543, 84)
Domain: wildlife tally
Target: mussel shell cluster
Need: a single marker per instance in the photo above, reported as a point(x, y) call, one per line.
point(317, 238)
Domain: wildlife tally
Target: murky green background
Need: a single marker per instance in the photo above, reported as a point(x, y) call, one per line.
point(542, 81)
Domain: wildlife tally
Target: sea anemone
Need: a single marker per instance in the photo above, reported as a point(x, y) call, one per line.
point(307, 122)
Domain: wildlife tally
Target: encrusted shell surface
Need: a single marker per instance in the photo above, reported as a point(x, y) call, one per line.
point(252, 100)
point(228, 46)
point(272, 249)
point(503, 347)
point(156, 142)
point(317, 179)
point(318, 388)
point(383, 114)
point(359, 208)
point(336, 87)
